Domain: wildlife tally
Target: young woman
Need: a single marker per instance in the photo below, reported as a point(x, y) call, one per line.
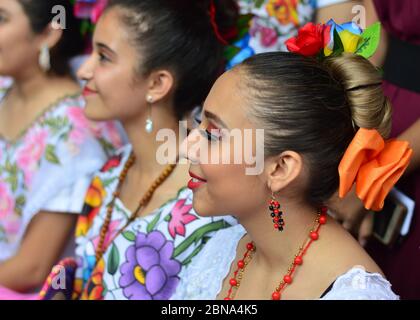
point(153, 62)
point(321, 118)
point(48, 149)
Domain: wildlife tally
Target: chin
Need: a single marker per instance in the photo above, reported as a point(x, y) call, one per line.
point(94, 110)
point(205, 209)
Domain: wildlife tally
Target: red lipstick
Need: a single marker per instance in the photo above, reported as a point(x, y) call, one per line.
point(196, 181)
point(88, 92)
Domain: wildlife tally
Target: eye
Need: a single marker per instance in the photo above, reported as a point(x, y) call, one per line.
point(103, 58)
point(212, 133)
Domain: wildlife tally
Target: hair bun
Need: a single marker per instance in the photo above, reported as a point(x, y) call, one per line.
point(362, 83)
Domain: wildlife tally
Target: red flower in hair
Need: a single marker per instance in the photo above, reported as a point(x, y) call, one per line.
point(310, 40)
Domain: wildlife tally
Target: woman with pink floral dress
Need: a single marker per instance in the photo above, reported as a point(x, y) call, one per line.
point(48, 149)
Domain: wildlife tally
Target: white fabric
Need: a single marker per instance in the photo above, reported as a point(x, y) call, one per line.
point(213, 263)
point(325, 3)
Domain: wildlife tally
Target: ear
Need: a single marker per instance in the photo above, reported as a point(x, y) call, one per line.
point(161, 82)
point(283, 170)
point(51, 35)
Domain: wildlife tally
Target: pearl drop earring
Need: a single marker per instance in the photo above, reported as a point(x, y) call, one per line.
point(149, 122)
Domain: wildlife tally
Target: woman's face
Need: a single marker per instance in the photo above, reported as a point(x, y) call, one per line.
point(19, 46)
point(219, 187)
point(113, 90)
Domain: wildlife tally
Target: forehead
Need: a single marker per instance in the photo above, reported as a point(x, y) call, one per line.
point(111, 31)
point(226, 100)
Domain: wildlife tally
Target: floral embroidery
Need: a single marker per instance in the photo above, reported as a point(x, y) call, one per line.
point(149, 271)
point(179, 218)
point(29, 154)
point(284, 10)
point(51, 140)
point(143, 260)
point(94, 288)
point(7, 203)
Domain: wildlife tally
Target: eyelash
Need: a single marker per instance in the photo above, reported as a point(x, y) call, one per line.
point(102, 57)
point(207, 134)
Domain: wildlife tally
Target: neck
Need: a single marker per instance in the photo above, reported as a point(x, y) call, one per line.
point(145, 145)
point(276, 250)
point(29, 84)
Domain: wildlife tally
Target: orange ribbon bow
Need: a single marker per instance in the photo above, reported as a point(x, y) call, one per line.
point(375, 165)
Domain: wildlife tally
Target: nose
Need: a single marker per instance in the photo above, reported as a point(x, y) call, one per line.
point(85, 72)
point(191, 146)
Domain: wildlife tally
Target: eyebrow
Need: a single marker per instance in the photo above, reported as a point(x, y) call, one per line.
point(103, 46)
point(215, 118)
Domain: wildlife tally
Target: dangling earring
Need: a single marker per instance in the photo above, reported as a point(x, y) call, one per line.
point(44, 58)
point(276, 214)
point(149, 122)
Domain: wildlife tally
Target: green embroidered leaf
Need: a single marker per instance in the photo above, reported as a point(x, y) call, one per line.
point(370, 41)
point(13, 181)
point(56, 124)
point(107, 182)
point(153, 223)
point(259, 3)
point(50, 155)
point(167, 218)
point(20, 201)
point(231, 51)
point(130, 236)
point(105, 289)
point(114, 260)
point(338, 45)
point(199, 234)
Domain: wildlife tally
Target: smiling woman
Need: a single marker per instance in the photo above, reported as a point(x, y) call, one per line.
point(153, 61)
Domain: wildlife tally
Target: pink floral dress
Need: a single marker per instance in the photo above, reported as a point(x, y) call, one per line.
point(144, 260)
point(49, 166)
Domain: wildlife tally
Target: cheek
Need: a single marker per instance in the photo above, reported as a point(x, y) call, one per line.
point(227, 191)
point(17, 51)
point(118, 93)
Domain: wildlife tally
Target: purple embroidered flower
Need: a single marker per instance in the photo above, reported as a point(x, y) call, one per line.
point(149, 271)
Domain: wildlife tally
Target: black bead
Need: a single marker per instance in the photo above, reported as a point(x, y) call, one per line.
point(271, 208)
point(273, 215)
point(280, 228)
point(281, 220)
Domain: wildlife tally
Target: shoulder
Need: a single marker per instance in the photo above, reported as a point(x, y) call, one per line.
point(358, 284)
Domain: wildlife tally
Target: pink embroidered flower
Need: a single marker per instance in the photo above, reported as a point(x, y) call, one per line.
point(268, 36)
point(7, 202)
point(89, 9)
point(31, 152)
point(12, 225)
point(80, 125)
point(179, 218)
point(112, 231)
point(113, 133)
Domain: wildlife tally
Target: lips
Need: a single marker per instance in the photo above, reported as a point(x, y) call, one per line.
point(196, 181)
point(88, 92)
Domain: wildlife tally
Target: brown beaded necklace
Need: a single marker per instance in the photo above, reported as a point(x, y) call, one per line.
point(143, 202)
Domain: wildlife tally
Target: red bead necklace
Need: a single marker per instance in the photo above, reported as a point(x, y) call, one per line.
point(235, 281)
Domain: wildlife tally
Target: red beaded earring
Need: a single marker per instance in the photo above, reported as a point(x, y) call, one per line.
point(276, 213)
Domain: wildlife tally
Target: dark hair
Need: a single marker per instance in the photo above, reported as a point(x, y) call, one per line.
point(71, 43)
point(314, 108)
point(178, 35)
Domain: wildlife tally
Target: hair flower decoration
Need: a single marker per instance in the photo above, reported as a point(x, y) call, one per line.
point(332, 39)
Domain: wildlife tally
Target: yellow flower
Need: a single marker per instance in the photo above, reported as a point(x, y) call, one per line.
point(349, 40)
